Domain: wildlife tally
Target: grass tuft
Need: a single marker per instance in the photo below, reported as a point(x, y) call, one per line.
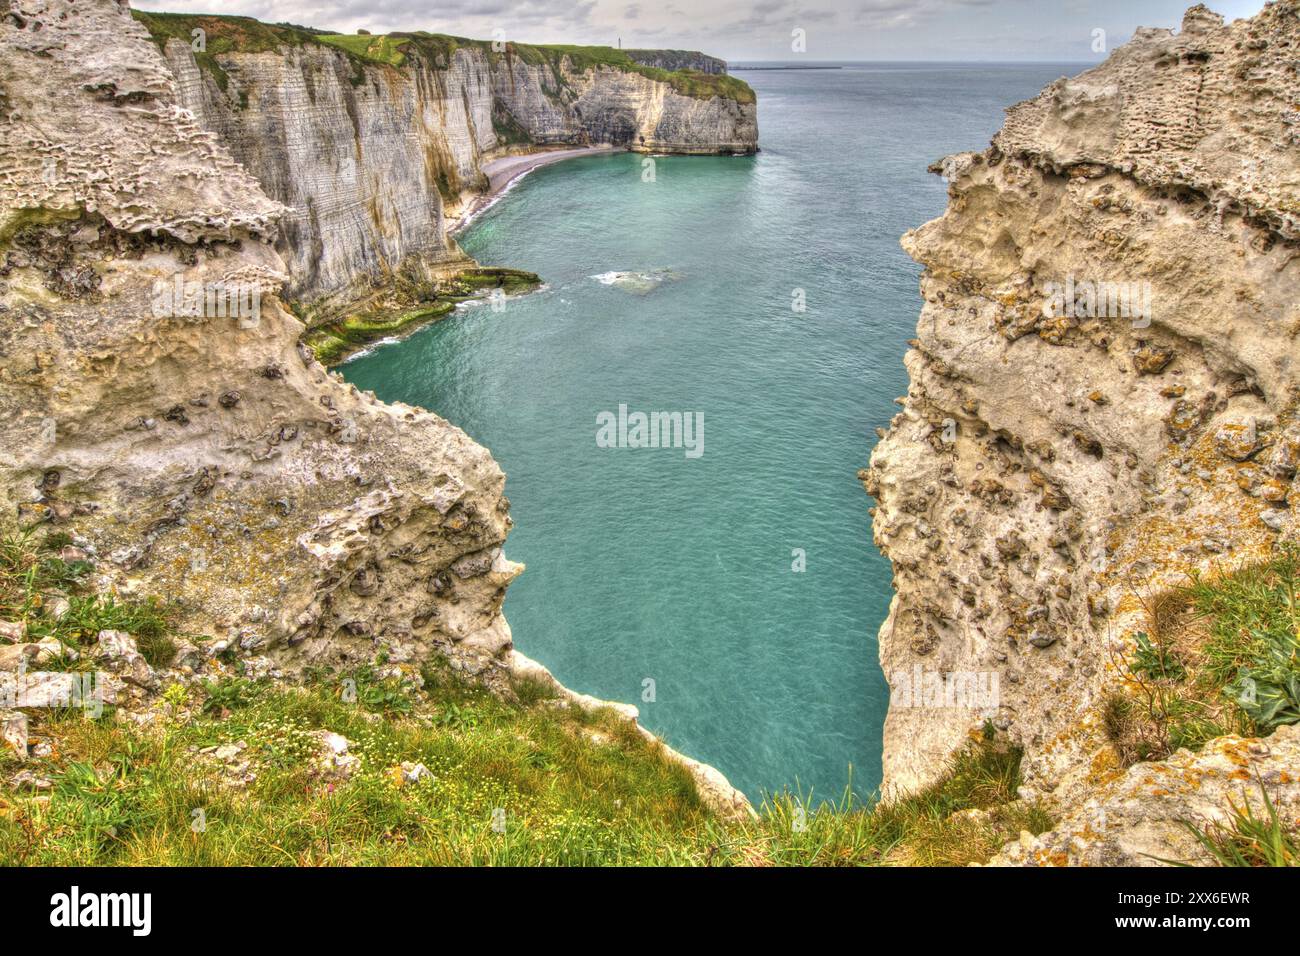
point(1247, 839)
point(48, 595)
point(1220, 656)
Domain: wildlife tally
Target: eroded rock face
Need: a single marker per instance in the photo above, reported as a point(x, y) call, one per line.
point(358, 165)
point(364, 155)
point(608, 105)
point(679, 60)
point(206, 457)
point(200, 454)
point(1141, 818)
point(1103, 384)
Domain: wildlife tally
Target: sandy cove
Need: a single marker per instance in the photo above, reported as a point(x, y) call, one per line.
point(505, 170)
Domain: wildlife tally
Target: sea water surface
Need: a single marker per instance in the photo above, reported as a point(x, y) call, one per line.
point(669, 581)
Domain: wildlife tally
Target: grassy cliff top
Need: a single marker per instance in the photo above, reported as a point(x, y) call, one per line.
point(439, 769)
point(226, 34)
point(443, 771)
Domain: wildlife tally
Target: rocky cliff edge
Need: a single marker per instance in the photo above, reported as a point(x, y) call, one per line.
point(202, 454)
point(1103, 396)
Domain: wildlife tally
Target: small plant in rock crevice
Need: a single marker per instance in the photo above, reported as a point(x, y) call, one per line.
point(49, 595)
point(1248, 838)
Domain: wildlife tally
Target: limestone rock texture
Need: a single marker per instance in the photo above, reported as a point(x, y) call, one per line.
point(1059, 457)
point(1141, 818)
point(202, 456)
point(365, 154)
point(604, 104)
point(209, 460)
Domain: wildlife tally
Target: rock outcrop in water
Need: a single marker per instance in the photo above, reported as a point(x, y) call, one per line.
point(1103, 398)
point(162, 415)
point(365, 138)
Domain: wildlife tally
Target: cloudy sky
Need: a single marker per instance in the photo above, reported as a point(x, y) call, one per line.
point(755, 29)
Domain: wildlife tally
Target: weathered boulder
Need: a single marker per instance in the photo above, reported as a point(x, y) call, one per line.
point(118, 651)
point(1146, 816)
point(333, 761)
point(36, 654)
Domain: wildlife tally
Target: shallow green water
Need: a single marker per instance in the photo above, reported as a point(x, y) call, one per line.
point(644, 564)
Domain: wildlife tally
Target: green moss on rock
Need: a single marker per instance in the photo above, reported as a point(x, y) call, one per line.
point(410, 306)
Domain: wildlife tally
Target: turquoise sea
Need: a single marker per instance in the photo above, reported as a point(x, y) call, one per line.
point(651, 573)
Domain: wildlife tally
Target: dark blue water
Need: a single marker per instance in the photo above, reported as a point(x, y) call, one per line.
point(648, 565)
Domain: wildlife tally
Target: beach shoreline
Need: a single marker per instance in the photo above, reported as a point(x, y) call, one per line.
point(505, 171)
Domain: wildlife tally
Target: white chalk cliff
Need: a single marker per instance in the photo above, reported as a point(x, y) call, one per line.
point(211, 459)
point(366, 153)
point(1050, 465)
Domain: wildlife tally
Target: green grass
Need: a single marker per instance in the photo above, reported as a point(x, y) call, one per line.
point(223, 34)
point(1221, 655)
point(374, 49)
point(1253, 651)
point(226, 34)
point(1156, 661)
point(125, 796)
point(576, 787)
point(34, 579)
point(1248, 839)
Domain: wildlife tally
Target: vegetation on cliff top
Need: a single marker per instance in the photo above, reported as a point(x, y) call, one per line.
point(219, 769)
point(1220, 655)
point(222, 34)
point(693, 83)
point(228, 34)
point(509, 783)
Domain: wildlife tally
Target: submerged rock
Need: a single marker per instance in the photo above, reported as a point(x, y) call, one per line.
point(637, 283)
